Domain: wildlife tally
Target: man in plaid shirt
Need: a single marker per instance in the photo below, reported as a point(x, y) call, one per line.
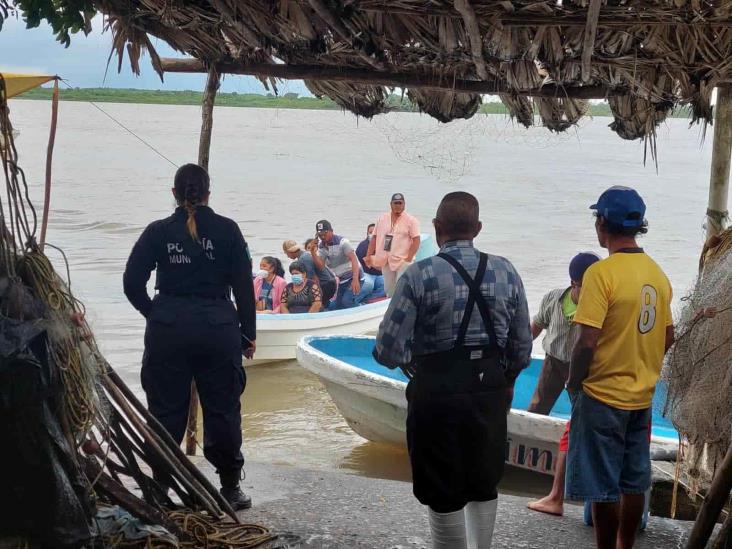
point(458, 325)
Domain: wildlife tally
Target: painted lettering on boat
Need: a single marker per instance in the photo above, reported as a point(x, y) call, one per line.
point(525, 455)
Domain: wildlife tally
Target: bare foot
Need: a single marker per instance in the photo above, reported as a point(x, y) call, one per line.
point(548, 504)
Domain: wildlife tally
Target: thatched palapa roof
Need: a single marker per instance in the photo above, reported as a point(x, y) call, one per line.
point(645, 56)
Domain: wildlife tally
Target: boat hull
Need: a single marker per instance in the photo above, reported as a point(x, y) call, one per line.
point(278, 335)
point(374, 405)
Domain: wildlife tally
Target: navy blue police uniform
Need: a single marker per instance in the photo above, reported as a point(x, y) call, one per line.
point(193, 330)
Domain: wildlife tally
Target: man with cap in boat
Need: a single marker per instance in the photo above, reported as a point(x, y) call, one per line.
point(394, 244)
point(626, 327)
point(336, 253)
point(458, 326)
point(323, 277)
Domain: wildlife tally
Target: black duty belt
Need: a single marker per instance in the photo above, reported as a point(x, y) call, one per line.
point(194, 295)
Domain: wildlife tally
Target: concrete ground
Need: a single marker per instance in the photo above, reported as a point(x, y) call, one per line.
point(334, 509)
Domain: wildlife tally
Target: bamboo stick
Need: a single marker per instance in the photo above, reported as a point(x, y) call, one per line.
point(162, 452)
point(386, 78)
point(713, 504)
point(163, 433)
point(131, 503)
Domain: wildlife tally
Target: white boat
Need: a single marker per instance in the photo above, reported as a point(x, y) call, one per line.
point(277, 335)
point(372, 400)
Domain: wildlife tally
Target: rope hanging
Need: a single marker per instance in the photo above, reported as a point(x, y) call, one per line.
point(114, 440)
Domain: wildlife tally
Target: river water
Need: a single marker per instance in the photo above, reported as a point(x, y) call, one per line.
point(278, 171)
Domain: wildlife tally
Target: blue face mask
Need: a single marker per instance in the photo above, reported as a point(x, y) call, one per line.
point(297, 279)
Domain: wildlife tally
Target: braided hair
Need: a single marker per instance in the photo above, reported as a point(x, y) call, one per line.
point(191, 189)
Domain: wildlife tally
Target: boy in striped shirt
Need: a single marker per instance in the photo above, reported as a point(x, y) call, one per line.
point(555, 316)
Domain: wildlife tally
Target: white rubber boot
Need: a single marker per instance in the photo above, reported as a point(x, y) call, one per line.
point(448, 530)
point(480, 518)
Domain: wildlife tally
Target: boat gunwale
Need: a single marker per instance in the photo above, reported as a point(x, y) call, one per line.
point(304, 321)
point(304, 347)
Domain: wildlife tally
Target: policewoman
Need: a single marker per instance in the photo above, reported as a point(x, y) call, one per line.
point(458, 326)
point(194, 332)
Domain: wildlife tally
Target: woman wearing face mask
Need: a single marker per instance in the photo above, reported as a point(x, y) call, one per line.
point(302, 295)
point(269, 285)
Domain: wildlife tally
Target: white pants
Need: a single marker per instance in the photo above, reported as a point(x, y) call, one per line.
point(391, 277)
point(469, 528)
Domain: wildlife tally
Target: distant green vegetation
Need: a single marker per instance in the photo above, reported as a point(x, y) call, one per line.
point(286, 101)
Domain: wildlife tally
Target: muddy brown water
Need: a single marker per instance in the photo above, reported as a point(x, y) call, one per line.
point(278, 171)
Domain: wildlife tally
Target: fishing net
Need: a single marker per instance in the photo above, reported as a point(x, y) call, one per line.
point(80, 437)
point(448, 152)
point(699, 366)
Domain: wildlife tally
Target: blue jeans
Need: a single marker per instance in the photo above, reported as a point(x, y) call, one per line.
point(371, 288)
point(609, 451)
point(344, 298)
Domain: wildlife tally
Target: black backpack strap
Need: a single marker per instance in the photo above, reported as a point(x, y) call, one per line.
point(475, 297)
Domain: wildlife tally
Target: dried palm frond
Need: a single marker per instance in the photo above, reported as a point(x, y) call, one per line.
point(658, 54)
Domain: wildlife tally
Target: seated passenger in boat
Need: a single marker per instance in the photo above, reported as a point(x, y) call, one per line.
point(302, 295)
point(373, 286)
point(334, 252)
point(323, 277)
point(269, 285)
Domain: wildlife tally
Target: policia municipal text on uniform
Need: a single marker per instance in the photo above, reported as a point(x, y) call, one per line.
point(193, 330)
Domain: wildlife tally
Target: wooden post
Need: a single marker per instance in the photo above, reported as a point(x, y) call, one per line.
point(204, 149)
point(209, 98)
point(724, 537)
point(713, 504)
point(721, 153)
point(49, 163)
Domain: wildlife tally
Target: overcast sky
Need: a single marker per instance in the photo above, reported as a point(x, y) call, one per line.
point(83, 64)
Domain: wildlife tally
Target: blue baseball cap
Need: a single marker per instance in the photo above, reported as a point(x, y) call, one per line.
point(580, 263)
point(621, 206)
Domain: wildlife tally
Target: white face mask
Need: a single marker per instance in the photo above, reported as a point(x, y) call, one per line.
point(262, 273)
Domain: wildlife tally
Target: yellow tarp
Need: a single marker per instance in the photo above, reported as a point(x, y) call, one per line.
point(15, 84)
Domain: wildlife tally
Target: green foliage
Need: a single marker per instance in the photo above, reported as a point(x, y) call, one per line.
point(287, 101)
point(66, 17)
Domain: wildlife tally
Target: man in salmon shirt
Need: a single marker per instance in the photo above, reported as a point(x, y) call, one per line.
point(395, 243)
point(626, 327)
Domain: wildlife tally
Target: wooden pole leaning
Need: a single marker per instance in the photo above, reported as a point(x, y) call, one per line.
point(713, 504)
point(204, 150)
point(49, 164)
point(717, 213)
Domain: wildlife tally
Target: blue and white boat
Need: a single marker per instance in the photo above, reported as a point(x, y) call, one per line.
point(277, 335)
point(372, 400)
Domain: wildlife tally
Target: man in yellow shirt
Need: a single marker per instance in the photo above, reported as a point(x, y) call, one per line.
point(624, 313)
